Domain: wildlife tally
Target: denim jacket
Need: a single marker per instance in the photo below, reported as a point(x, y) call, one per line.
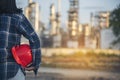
point(12, 27)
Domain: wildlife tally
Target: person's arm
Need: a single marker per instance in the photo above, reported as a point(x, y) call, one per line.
point(26, 29)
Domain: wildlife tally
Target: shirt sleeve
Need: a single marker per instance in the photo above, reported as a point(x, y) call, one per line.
point(26, 29)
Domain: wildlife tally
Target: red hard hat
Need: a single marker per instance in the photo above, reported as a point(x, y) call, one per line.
point(22, 54)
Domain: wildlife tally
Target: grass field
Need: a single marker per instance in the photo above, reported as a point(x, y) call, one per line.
point(78, 60)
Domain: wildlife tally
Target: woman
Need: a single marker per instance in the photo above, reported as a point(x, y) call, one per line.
point(13, 24)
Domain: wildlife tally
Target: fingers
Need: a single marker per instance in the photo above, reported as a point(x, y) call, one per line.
point(29, 68)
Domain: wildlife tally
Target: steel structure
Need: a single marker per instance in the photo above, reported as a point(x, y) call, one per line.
point(73, 19)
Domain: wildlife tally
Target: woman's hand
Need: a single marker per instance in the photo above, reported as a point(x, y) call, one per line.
point(30, 68)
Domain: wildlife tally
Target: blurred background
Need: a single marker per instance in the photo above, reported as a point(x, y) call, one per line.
point(80, 39)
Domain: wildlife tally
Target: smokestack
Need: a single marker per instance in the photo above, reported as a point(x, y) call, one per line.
point(91, 19)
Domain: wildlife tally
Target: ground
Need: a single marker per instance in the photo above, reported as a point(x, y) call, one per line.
point(72, 74)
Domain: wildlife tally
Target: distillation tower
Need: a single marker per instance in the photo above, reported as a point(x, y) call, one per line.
point(55, 24)
point(33, 14)
point(73, 19)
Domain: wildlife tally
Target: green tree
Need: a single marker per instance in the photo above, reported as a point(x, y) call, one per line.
point(115, 23)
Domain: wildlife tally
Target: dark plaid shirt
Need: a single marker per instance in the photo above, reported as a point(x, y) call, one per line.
point(12, 26)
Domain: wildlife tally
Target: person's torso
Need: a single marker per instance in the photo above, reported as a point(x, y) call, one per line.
point(9, 35)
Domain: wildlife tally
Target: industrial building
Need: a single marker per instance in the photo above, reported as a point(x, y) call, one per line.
point(77, 35)
point(32, 12)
